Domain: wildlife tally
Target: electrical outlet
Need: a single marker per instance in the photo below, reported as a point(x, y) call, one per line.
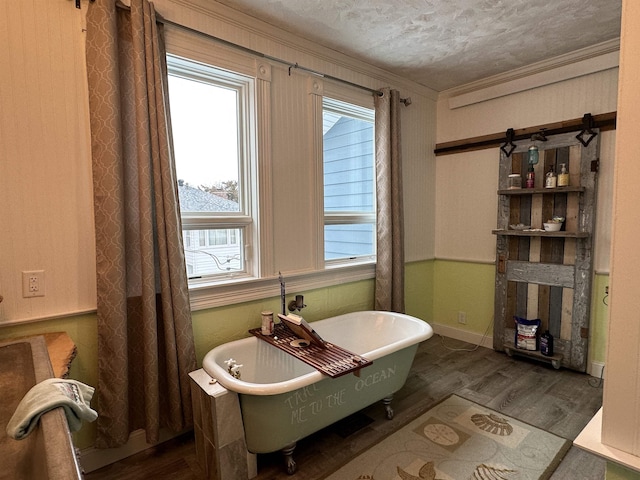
point(462, 318)
point(33, 283)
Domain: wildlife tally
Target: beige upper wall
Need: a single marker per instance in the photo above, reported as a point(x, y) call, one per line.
point(45, 171)
point(46, 210)
point(466, 183)
point(595, 93)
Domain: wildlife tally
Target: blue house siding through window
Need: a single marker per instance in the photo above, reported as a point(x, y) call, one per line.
point(349, 184)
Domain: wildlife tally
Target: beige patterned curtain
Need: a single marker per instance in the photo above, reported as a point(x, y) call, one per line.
point(145, 338)
point(389, 286)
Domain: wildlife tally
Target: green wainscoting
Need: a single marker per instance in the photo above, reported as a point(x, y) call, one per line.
point(599, 319)
point(418, 286)
point(219, 325)
point(618, 472)
point(468, 287)
point(464, 287)
point(436, 290)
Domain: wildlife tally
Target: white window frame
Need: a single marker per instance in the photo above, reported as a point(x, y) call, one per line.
point(244, 220)
point(264, 282)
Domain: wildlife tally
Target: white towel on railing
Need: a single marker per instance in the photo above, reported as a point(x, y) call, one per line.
point(74, 397)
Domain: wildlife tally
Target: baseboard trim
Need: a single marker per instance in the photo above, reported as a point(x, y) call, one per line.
point(464, 335)
point(596, 369)
point(94, 458)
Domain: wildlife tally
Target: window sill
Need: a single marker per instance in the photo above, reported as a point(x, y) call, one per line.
point(241, 290)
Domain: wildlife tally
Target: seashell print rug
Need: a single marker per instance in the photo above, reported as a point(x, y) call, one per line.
point(459, 440)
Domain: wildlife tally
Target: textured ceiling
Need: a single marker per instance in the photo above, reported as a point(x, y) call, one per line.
point(444, 43)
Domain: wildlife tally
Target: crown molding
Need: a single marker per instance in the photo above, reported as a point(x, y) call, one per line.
point(599, 57)
point(234, 26)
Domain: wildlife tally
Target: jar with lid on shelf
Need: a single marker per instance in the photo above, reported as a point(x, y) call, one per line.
point(515, 181)
point(533, 155)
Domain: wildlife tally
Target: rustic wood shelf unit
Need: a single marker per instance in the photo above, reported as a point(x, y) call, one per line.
point(540, 274)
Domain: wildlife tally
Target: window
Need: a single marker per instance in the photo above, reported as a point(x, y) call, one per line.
point(241, 130)
point(209, 117)
point(349, 181)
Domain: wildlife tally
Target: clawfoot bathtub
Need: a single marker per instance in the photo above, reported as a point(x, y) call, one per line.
point(283, 400)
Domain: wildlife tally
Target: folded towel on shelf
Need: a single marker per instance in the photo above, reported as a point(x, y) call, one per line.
point(74, 397)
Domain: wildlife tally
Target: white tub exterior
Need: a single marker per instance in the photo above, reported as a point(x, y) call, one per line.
point(283, 399)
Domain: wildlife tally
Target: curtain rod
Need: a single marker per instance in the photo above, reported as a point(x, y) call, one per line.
point(161, 19)
point(263, 55)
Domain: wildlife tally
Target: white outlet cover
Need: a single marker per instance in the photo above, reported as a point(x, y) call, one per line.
point(33, 283)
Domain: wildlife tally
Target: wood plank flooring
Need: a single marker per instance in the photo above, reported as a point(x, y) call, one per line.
point(559, 401)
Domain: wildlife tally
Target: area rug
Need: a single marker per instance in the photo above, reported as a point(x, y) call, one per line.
point(459, 440)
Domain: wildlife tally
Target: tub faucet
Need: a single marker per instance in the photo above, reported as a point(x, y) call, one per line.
point(233, 368)
point(297, 304)
point(282, 293)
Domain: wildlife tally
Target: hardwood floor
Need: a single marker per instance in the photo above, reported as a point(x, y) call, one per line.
point(559, 401)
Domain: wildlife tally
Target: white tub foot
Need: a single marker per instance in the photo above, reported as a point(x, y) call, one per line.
point(387, 406)
point(288, 458)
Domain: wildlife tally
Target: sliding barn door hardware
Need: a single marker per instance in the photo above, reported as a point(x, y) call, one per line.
point(509, 146)
point(588, 124)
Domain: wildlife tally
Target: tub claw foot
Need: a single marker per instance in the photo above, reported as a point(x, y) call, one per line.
point(288, 458)
point(387, 406)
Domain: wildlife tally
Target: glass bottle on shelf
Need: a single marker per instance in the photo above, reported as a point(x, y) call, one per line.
point(550, 180)
point(531, 177)
point(563, 176)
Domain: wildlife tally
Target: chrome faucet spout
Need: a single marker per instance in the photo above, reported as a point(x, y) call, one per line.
point(282, 294)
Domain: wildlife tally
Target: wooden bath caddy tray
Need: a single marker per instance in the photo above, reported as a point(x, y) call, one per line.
point(333, 361)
